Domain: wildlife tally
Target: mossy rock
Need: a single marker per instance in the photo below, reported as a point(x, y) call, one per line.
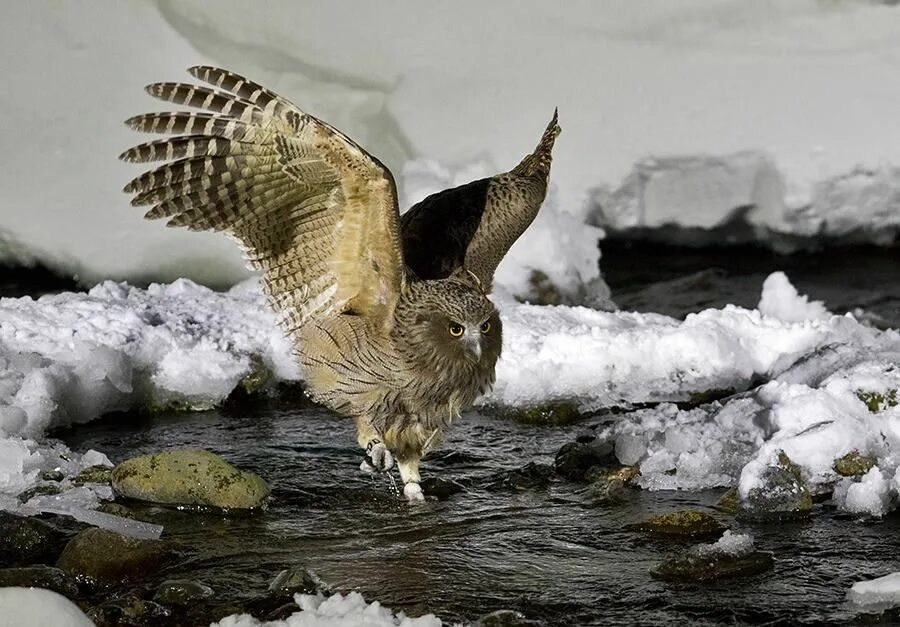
point(189, 477)
point(684, 523)
point(106, 558)
point(693, 567)
point(878, 401)
point(52, 475)
point(94, 474)
point(40, 577)
point(611, 483)
point(729, 502)
point(39, 490)
point(551, 413)
point(854, 464)
point(259, 378)
point(784, 495)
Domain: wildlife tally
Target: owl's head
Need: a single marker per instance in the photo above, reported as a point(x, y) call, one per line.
point(453, 318)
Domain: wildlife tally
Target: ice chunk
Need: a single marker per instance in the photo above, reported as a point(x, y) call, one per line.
point(870, 495)
point(876, 594)
point(733, 544)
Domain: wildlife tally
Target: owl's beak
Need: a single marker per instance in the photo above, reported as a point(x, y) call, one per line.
point(472, 343)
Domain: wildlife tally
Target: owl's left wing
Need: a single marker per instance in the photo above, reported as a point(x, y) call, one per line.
point(473, 226)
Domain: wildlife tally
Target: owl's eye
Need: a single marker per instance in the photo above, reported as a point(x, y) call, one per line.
point(485, 326)
point(456, 330)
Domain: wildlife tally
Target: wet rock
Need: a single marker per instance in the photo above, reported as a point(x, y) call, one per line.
point(105, 557)
point(853, 464)
point(128, 610)
point(441, 488)
point(294, 580)
point(182, 592)
point(729, 501)
point(52, 475)
point(259, 377)
point(685, 523)
point(576, 459)
point(43, 488)
point(116, 509)
point(505, 618)
point(783, 496)
point(25, 540)
point(550, 413)
point(189, 477)
point(39, 577)
point(94, 474)
point(732, 556)
point(529, 477)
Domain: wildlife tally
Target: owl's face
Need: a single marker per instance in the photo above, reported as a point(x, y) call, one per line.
point(457, 321)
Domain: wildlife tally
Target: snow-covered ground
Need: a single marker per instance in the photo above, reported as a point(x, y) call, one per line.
point(807, 88)
point(70, 357)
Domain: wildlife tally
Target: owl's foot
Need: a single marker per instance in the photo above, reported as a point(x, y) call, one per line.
point(378, 458)
point(413, 492)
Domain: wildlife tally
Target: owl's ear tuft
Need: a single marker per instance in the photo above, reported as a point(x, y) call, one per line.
point(464, 275)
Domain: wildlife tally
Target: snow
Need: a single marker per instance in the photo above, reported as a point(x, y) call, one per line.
point(732, 544)
point(870, 495)
point(780, 300)
point(336, 611)
point(880, 593)
point(23, 607)
point(745, 92)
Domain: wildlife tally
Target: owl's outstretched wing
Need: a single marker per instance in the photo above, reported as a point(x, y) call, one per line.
point(311, 209)
point(473, 226)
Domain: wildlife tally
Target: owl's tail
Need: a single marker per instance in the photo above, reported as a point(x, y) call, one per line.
point(538, 162)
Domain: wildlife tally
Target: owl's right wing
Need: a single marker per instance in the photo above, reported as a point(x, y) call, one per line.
point(312, 210)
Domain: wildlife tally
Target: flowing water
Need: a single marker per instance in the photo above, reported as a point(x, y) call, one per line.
point(553, 550)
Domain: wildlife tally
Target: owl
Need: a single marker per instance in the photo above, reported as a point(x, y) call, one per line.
point(388, 316)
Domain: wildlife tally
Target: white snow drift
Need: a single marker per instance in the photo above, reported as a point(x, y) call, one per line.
point(71, 357)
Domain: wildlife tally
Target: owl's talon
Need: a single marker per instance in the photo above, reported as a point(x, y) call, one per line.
point(378, 457)
point(413, 492)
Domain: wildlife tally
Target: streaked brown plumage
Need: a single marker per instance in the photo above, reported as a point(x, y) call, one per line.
point(388, 317)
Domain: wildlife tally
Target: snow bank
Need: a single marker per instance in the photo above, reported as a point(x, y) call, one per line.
point(336, 611)
point(802, 91)
point(24, 607)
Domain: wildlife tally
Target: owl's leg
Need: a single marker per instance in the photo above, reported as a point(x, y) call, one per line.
point(409, 472)
point(378, 457)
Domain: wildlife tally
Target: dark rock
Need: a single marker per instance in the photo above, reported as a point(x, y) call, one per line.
point(784, 495)
point(116, 509)
point(25, 540)
point(441, 488)
point(576, 459)
point(684, 523)
point(853, 464)
point(40, 577)
point(128, 610)
point(293, 580)
point(104, 557)
point(529, 477)
point(94, 474)
point(182, 592)
point(732, 556)
point(189, 477)
point(505, 618)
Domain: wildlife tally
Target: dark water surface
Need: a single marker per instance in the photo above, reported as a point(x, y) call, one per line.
point(556, 553)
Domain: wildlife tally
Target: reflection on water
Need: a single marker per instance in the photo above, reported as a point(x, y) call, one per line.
point(554, 553)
